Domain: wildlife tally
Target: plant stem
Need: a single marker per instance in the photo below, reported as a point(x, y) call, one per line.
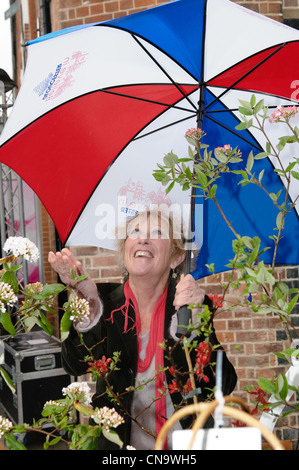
point(224, 216)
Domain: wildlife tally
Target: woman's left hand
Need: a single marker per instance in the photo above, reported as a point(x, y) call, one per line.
point(188, 292)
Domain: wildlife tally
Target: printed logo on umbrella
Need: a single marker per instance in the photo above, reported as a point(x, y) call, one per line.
point(62, 78)
point(133, 198)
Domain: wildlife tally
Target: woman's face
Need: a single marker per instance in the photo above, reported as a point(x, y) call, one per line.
point(148, 248)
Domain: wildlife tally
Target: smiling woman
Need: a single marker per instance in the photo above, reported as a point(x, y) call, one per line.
point(134, 319)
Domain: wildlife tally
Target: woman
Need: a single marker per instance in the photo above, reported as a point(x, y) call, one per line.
point(134, 318)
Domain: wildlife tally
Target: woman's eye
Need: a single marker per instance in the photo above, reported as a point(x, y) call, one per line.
point(133, 233)
point(157, 233)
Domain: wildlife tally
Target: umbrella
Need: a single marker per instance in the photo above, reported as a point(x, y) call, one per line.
point(101, 104)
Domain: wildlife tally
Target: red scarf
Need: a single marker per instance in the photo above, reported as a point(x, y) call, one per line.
point(153, 349)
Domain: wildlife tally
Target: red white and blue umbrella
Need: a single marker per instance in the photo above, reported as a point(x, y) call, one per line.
point(101, 104)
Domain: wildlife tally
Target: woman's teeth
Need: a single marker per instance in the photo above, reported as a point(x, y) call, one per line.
point(145, 254)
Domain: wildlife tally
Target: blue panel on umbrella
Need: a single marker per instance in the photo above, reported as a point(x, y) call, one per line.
point(176, 28)
point(249, 209)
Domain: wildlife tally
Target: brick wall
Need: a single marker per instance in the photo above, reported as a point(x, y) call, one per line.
point(72, 12)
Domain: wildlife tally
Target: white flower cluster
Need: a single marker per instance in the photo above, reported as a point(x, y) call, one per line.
point(7, 296)
point(21, 247)
point(107, 418)
point(79, 309)
point(5, 425)
point(79, 391)
point(53, 403)
point(34, 288)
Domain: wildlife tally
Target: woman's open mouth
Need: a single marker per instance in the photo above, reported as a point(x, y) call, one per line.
point(143, 254)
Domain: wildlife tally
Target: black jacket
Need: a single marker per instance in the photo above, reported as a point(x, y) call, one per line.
point(114, 339)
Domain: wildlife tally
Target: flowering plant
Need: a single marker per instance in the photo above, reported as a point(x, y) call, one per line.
point(18, 315)
point(61, 414)
point(261, 293)
point(36, 301)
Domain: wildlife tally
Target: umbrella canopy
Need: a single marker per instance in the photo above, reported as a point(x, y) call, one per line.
point(101, 104)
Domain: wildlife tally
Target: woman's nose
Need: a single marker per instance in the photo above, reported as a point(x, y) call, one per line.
point(143, 237)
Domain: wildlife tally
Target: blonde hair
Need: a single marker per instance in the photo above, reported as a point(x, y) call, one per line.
point(175, 235)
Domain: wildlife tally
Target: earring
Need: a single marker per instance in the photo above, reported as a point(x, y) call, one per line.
point(125, 272)
point(174, 274)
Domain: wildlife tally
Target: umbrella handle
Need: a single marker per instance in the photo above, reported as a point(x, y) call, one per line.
point(184, 316)
point(184, 313)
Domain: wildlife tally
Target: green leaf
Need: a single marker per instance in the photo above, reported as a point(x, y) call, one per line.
point(202, 179)
point(213, 191)
point(52, 443)
point(11, 279)
point(5, 319)
point(246, 104)
point(45, 324)
point(170, 160)
point(252, 101)
point(65, 325)
point(30, 322)
point(280, 220)
point(169, 188)
point(12, 443)
point(258, 107)
point(188, 173)
point(7, 379)
point(261, 175)
point(273, 197)
point(165, 180)
point(52, 289)
point(266, 385)
point(241, 126)
point(112, 436)
point(290, 167)
point(292, 303)
point(159, 175)
point(13, 269)
point(295, 174)
point(245, 111)
point(261, 155)
point(282, 386)
point(250, 162)
point(85, 410)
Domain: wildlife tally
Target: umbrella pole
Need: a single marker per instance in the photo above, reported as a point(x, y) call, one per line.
point(184, 313)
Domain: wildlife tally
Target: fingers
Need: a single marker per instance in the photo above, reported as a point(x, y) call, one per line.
point(63, 263)
point(188, 292)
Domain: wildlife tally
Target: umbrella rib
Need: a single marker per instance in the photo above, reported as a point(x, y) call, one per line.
point(164, 71)
point(162, 127)
point(246, 74)
point(232, 110)
point(233, 132)
point(146, 100)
